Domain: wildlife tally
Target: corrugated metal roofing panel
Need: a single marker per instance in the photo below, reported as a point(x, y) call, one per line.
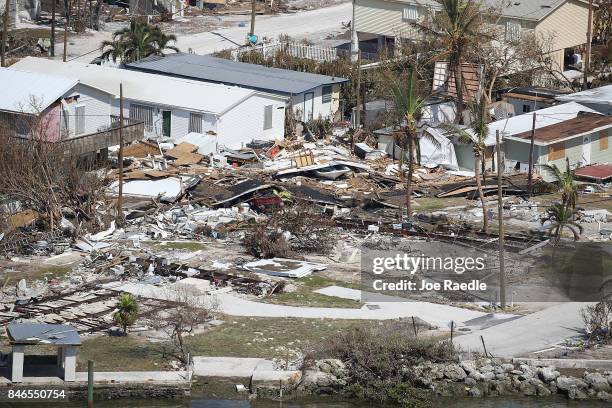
point(35, 333)
point(208, 68)
point(26, 92)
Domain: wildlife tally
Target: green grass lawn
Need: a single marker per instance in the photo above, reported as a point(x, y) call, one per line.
point(305, 295)
point(34, 274)
point(130, 353)
point(267, 337)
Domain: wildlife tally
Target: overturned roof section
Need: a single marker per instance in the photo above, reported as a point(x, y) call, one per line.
point(43, 333)
point(601, 95)
point(583, 124)
point(219, 70)
point(143, 87)
point(600, 173)
point(31, 93)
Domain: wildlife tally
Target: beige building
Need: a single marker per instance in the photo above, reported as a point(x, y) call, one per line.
point(566, 20)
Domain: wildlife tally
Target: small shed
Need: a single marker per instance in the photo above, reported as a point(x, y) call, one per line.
point(64, 337)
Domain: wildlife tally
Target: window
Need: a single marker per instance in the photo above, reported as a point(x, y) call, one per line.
point(143, 113)
point(410, 13)
point(268, 117)
point(327, 94)
point(195, 123)
point(603, 140)
point(513, 31)
point(79, 120)
point(526, 108)
point(556, 151)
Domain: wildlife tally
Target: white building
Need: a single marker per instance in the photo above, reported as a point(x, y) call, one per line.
point(311, 96)
point(60, 109)
point(173, 107)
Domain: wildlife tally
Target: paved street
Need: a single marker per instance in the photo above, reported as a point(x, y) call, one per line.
point(534, 332)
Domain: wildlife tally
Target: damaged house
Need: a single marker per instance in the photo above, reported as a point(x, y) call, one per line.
point(311, 96)
point(172, 108)
point(61, 109)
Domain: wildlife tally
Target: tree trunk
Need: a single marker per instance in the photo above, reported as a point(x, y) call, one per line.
point(409, 178)
point(96, 15)
point(459, 86)
point(485, 220)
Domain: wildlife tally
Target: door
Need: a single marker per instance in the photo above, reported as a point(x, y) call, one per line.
point(308, 106)
point(586, 150)
point(166, 123)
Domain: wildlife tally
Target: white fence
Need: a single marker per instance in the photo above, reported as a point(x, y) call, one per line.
point(297, 50)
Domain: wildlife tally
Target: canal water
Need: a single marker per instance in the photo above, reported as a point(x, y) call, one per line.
point(226, 403)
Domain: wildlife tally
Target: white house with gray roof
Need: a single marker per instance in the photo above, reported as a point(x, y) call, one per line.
point(174, 107)
point(565, 20)
point(311, 96)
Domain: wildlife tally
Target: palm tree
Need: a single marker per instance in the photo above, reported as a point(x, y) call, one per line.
point(565, 183)
point(137, 41)
point(561, 217)
point(127, 311)
point(457, 24)
point(409, 105)
point(476, 137)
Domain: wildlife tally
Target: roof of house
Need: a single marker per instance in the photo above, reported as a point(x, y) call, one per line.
point(596, 172)
point(31, 93)
point(544, 117)
point(520, 9)
point(534, 91)
point(584, 123)
point(208, 68)
point(37, 333)
point(144, 87)
point(601, 95)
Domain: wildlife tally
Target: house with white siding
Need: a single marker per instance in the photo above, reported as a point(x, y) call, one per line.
point(173, 107)
point(60, 109)
point(311, 96)
point(565, 20)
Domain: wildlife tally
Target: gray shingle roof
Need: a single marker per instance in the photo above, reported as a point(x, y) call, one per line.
point(43, 333)
point(212, 69)
point(521, 9)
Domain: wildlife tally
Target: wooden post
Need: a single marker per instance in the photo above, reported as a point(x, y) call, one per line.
point(66, 24)
point(120, 157)
point(500, 216)
point(358, 91)
point(53, 28)
point(587, 58)
point(530, 174)
point(5, 24)
point(90, 383)
point(484, 346)
point(253, 6)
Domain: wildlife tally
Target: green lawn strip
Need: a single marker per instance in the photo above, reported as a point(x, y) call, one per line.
point(305, 294)
point(121, 353)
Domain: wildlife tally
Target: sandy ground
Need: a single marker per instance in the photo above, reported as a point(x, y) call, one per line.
point(208, 34)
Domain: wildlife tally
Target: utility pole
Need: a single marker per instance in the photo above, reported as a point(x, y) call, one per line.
point(358, 112)
point(120, 157)
point(530, 174)
point(5, 23)
point(253, 4)
point(53, 28)
point(90, 383)
point(66, 24)
point(354, 38)
point(587, 59)
point(500, 216)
